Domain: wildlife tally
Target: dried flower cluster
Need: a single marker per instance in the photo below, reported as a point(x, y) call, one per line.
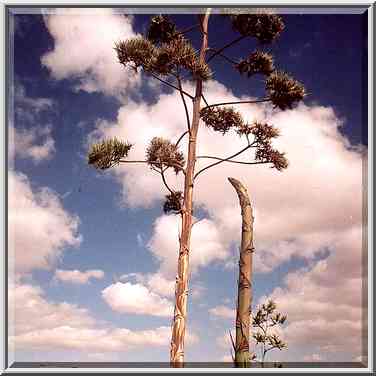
point(221, 119)
point(173, 202)
point(284, 90)
point(257, 62)
point(263, 132)
point(267, 154)
point(137, 51)
point(161, 153)
point(108, 153)
point(263, 26)
point(161, 30)
point(170, 53)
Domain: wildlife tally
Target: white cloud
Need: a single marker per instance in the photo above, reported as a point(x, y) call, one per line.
point(313, 358)
point(206, 244)
point(224, 341)
point(39, 227)
point(35, 143)
point(317, 197)
point(37, 104)
point(137, 299)
point(313, 207)
point(63, 326)
point(84, 41)
point(76, 276)
point(324, 302)
point(227, 358)
point(27, 137)
point(223, 312)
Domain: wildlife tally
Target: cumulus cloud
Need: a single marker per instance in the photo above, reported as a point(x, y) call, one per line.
point(305, 212)
point(35, 143)
point(309, 188)
point(28, 138)
point(84, 41)
point(137, 299)
point(64, 326)
point(78, 277)
point(206, 244)
point(324, 302)
point(38, 104)
point(147, 295)
point(223, 312)
point(39, 228)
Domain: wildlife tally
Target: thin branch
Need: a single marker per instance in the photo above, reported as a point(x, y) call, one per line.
point(181, 137)
point(189, 29)
point(184, 102)
point(171, 85)
point(204, 99)
point(230, 161)
point(225, 46)
point(171, 164)
point(165, 182)
point(224, 56)
point(238, 102)
point(232, 341)
point(223, 160)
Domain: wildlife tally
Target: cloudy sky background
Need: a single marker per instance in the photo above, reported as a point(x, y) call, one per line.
point(92, 259)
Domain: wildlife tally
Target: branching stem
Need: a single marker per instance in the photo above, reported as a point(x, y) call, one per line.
point(237, 102)
point(171, 85)
point(140, 161)
point(224, 56)
point(181, 91)
point(225, 46)
point(181, 137)
point(224, 160)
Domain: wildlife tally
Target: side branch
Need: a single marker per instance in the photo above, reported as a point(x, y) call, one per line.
point(181, 91)
point(170, 85)
point(187, 30)
point(224, 56)
point(157, 163)
point(238, 102)
point(224, 47)
point(181, 137)
point(231, 161)
point(223, 160)
point(165, 182)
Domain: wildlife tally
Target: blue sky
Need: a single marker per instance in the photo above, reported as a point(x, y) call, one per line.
point(67, 221)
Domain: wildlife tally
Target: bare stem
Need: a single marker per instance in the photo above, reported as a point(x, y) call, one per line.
point(224, 56)
point(224, 160)
point(156, 163)
point(225, 46)
point(187, 30)
point(184, 102)
point(169, 84)
point(165, 182)
point(231, 161)
point(237, 102)
point(204, 99)
point(181, 137)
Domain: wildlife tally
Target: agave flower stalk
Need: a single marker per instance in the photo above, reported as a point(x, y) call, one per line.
point(244, 304)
